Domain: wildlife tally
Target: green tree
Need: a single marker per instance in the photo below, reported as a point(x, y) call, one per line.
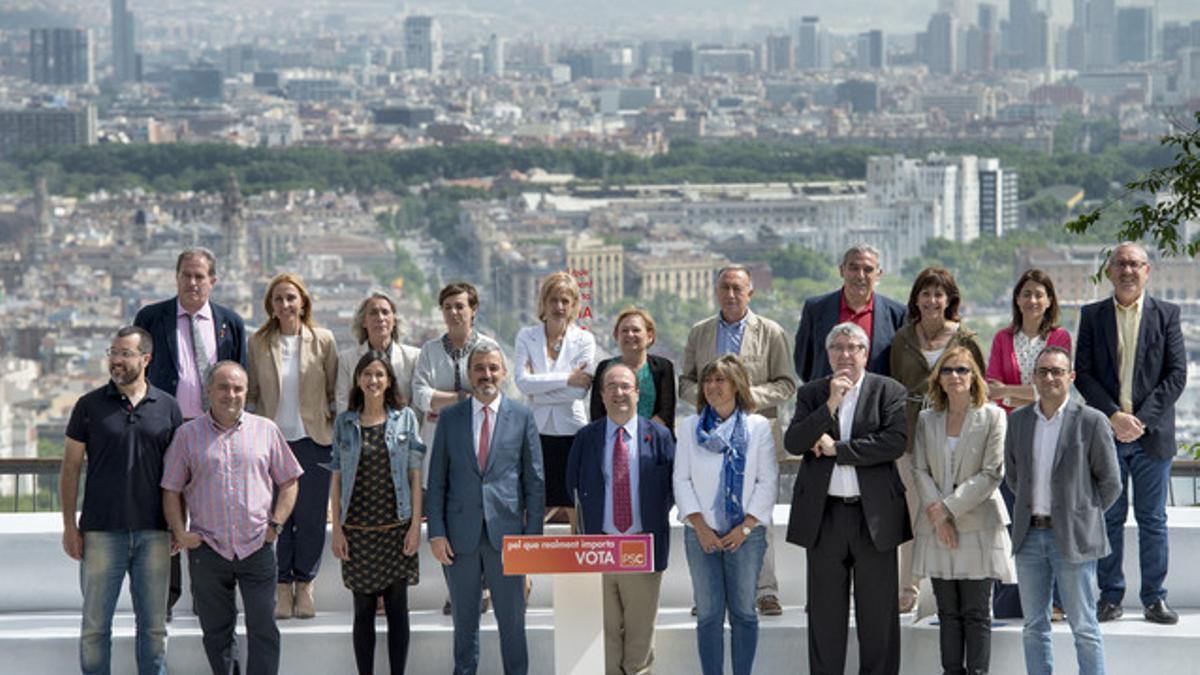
point(1160, 220)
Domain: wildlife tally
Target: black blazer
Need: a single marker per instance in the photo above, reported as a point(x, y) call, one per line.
point(656, 495)
point(159, 320)
point(820, 315)
point(877, 442)
point(662, 371)
point(1159, 375)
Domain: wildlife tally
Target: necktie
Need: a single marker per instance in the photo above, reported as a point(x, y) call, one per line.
point(485, 437)
point(622, 508)
point(200, 356)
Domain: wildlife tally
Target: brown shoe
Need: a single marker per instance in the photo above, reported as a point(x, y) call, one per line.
point(283, 601)
point(768, 605)
point(1057, 614)
point(304, 608)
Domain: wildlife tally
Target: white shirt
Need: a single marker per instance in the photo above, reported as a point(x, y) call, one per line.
point(697, 476)
point(631, 441)
point(1045, 441)
point(287, 415)
point(477, 421)
point(843, 482)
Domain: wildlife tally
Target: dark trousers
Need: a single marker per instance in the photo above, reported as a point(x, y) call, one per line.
point(844, 547)
point(302, 541)
point(213, 580)
point(965, 624)
point(395, 605)
point(1151, 477)
point(508, 602)
point(175, 586)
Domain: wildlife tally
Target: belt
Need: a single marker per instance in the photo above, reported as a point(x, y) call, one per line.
point(1040, 522)
point(844, 500)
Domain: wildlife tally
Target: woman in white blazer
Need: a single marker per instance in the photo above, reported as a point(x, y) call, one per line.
point(725, 479)
point(554, 364)
point(961, 542)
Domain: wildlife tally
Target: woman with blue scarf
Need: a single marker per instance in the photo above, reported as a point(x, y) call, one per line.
point(725, 485)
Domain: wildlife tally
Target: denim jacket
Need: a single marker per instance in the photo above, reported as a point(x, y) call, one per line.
point(405, 450)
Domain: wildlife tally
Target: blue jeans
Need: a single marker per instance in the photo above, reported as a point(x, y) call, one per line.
point(1039, 564)
point(108, 556)
point(723, 581)
point(1151, 477)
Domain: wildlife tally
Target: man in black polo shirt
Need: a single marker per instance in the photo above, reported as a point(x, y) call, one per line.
point(124, 429)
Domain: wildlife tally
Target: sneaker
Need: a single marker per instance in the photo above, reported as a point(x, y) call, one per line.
point(1107, 611)
point(1160, 613)
point(768, 605)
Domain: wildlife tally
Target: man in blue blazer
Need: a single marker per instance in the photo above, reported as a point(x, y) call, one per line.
point(485, 482)
point(619, 473)
point(855, 301)
point(1131, 365)
point(173, 324)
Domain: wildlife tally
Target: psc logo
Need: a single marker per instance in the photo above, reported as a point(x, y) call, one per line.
point(633, 554)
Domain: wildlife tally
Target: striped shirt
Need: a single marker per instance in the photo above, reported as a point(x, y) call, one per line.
point(227, 476)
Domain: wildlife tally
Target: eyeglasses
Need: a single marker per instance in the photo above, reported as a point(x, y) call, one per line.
point(961, 371)
point(1128, 264)
point(121, 353)
point(1051, 372)
point(852, 348)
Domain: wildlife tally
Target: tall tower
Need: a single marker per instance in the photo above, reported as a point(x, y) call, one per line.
point(422, 44)
point(60, 56)
point(123, 49)
point(233, 225)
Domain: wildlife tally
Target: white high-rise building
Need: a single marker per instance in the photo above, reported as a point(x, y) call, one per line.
point(422, 44)
point(493, 56)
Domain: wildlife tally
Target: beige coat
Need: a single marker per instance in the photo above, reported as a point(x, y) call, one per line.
point(318, 379)
point(766, 358)
point(978, 468)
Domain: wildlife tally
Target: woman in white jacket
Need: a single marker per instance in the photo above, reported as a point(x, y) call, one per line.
point(725, 483)
point(554, 364)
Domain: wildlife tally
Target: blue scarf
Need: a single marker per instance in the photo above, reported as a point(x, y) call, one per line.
point(731, 439)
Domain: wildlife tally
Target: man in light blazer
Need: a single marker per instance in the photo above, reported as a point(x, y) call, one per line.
point(761, 345)
point(485, 482)
point(848, 507)
point(178, 367)
point(1132, 366)
point(1060, 462)
point(879, 316)
point(630, 497)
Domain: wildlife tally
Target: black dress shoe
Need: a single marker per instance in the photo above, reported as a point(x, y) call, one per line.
point(1107, 611)
point(1160, 613)
point(446, 608)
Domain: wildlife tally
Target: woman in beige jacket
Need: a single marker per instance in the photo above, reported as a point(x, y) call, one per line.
point(293, 365)
point(961, 542)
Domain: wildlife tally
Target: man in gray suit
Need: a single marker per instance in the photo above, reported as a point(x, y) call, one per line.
point(485, 482)
point(1061, 464)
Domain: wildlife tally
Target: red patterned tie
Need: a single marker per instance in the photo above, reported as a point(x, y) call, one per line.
point(622, 508)
point(485, 438)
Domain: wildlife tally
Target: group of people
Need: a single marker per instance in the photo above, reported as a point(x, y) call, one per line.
point(912, 457)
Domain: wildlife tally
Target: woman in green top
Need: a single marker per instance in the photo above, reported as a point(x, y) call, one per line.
point(634, 333)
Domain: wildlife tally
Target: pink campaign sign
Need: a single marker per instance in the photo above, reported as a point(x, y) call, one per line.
point(579, 554)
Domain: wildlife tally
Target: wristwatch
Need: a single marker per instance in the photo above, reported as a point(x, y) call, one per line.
point(746, 530)
point(278, 527)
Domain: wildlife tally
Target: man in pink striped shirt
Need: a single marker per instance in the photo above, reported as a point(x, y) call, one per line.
point(226, 464)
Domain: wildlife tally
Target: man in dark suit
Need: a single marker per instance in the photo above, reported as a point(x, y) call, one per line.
point(619, 472)
point(1060, 464)
point(485, 482)
point(190, 334)
point(848, 505)
point(879, 316)
point(1131, 365)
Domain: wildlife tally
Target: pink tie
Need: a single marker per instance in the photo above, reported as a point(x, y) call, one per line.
point(622, 508)
point(485, 438)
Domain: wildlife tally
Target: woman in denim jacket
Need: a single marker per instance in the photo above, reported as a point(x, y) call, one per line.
point(376, 505)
